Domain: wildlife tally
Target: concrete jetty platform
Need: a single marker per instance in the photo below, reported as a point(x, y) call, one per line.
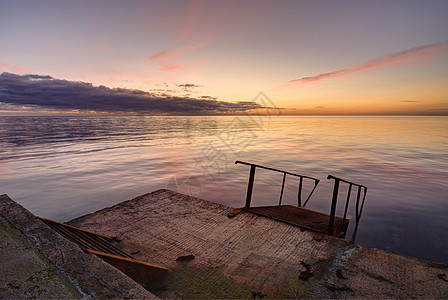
point(251, 256)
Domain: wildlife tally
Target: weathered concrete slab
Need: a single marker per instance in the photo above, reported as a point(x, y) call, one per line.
point(248, 256)
point(27, 274)
point(49, 266)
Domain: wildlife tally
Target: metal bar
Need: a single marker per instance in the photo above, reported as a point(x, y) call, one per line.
point(358, 217)
point(357, 203)
point(283, 186)
point(272, 169)
point(358, 211)
point(250, 185)
point(363, 200)
point(95, 244)
point(333, 205)
point(124, 259)
point(84, 238)
point(103, 246)
point(65, 233)
point(299, 194)
point(362, 205)
point(48, 222)
point(80, 237)
point(347, 201)
point(346, 181)
point(312, 191)
point(74, 237)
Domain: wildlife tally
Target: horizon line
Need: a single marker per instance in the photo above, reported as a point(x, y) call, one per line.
point(220, 115)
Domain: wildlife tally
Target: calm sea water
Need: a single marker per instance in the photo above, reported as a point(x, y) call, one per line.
point(63, 167)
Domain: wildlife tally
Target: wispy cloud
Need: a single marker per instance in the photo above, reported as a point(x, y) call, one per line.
point(197, 25)
point(163, 60)
point(105, 48)
point(412, 54)
point(48, 92)
point(13, 68)
point(204, 20)
point(191, 16)
point(166, 59)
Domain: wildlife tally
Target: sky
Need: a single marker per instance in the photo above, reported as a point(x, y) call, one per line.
point(216, 57)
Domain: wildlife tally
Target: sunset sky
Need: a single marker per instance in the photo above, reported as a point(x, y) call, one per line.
point(206, 57)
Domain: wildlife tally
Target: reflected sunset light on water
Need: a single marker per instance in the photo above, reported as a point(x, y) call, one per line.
point(64, 167)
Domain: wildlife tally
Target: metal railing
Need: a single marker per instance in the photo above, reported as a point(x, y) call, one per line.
point(334, 201)
point(250, 185)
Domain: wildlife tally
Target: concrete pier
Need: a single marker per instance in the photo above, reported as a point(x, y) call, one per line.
point(251, 256)
point(210, 256)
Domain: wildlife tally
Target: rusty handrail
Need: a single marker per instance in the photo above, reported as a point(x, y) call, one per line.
point(272, 169)
point(252, 177)
point(346, 181)
point(334, 200)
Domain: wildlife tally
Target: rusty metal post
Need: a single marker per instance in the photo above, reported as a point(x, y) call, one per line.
point(358, 196)
point(281, 193)
point(363, 200)
point(333, 205)
point(302, 177)
point(250, 186)
point(316, 182)
point(358, 213)
point(299, 194)
point(347, 201)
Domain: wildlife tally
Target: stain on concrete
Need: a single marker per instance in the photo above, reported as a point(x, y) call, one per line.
point(25, 273)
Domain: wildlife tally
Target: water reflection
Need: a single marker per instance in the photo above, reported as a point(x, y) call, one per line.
point(63, 167)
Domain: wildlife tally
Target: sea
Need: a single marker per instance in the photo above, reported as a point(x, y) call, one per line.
point(63, 167)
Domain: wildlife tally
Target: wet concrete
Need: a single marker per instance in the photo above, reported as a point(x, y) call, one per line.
point(250, 256)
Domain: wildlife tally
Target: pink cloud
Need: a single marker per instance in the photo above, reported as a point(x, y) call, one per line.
point(105, 48)
point(174, 68)
point(13, 68)
point(162, 55)
point(198, 24)
point(166, 59)
point(412, 54)
point(187, 34)
point(191, 17)
point(204, 20)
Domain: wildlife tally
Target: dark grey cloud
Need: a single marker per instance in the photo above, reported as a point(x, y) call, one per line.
point(188, 85)
point(35, 76)
point(208, 97)
point(48, 92)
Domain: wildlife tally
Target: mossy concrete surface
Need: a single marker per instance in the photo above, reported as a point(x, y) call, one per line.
point(36, 262)
point(25, 273)
point(250, 256)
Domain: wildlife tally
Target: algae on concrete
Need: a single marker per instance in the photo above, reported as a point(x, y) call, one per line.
point(25, 273)
point(90, 275)
point(201, 284)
